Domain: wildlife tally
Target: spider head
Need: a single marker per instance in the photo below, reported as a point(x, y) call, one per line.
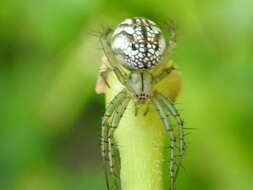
point(138, 44)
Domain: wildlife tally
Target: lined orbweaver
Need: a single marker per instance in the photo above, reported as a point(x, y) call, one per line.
point(137, 46)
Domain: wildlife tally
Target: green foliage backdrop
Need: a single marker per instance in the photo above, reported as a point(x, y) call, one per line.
point(50, 113)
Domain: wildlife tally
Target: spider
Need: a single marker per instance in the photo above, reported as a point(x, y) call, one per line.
point(135, 48)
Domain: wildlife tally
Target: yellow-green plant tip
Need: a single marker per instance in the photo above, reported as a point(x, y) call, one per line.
point(142, 140)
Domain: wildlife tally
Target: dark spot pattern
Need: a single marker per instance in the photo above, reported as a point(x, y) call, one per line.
point(138, 44)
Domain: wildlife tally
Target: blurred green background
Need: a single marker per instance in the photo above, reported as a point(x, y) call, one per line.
point(50, 113)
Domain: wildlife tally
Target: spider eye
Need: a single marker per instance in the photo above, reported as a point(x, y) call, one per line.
point(134, 47)
point(156, 47)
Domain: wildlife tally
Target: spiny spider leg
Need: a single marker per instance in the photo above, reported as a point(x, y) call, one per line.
point(166, 122)
point(104, 74)
point(173, 37)
point(110, 150)
point(107, 46)
point(165, 72)
point(170, 43)
point(113, 179)
point(108, 113)
point(121, 75)
point(117, 115)
point(172, 109)
point(111, 183)
point(104, 153)
point(147, 108)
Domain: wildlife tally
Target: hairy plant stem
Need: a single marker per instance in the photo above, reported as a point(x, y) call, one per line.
point(142, 140)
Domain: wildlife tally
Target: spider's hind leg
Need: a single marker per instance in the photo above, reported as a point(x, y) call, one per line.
point(106, 45)
point(170, 45)
point(102, 82)
point(166, 122)
point(170, 42)
point(165, 72)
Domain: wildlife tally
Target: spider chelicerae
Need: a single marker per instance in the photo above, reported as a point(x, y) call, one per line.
point(137, 46)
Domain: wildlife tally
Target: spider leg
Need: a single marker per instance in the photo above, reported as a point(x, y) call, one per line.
point(107, 46)
point(147, 108)
point(172, 109)
point(112, 152)
point(166, 122)
point(104, 151)
point(173, 37)
point(104, 74)
point(121, 75)
point(136, 109)
point(108, 113)
point(113, 180)
point(117, 115)
point(165, 72)
point(170, 43)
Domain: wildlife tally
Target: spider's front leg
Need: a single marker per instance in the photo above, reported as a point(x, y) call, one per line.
point(173, 111)
point(166, 122)
point(117, 115)
point(112, 151)
point(113, 105)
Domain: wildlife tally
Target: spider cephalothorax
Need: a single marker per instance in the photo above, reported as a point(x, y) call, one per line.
point(140, 86)
point(138, 43)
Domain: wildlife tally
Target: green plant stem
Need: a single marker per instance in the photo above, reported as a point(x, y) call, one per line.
point(143, 141)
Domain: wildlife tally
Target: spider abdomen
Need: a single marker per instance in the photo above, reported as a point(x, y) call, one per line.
point(138, 44)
